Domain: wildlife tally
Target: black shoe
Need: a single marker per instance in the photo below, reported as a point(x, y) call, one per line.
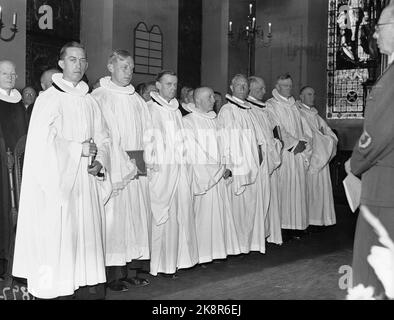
point(137, 282)
point(169, 275)
point(117, 286)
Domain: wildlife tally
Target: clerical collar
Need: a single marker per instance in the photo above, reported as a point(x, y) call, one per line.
point(208, 115)
point(186, 106)
point(157, 98)
point(107, 83)
point(14, 96)
point(281, 98)
point(255, 102)
point(391, 59)
point(306, 108)
point(238, 102)
point(66, 86)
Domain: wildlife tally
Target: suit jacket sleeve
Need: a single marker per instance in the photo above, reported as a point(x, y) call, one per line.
point(378, 135)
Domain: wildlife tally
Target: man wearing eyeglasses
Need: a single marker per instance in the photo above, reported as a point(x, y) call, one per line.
point(12, 127)
point(373, 159)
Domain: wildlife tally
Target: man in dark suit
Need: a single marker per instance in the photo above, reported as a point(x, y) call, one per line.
point(373, 159)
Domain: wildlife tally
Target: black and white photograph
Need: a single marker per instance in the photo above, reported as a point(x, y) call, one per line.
point(196, 157)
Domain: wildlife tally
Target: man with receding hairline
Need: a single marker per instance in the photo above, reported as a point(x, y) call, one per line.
point(243, 157)
point(296, 137)
point(128, 210)
point(60, 244)
point(215, 227)
point(271, 149)
point(13, 126)
point(320, 199)
point(174, 242)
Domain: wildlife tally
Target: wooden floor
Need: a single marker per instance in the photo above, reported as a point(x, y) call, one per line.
point(299, 269)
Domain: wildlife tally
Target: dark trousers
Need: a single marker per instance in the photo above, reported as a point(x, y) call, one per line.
point(116, 273)
point(365, 238)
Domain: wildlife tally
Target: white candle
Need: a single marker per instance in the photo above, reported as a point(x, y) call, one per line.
point(1, 14)
point(250, 8)
point(269, 27)
point(253, 23)
point(230, 26)
point(14, 19)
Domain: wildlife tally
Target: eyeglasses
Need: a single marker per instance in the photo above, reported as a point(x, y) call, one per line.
point(377, 26)
point(10, 75)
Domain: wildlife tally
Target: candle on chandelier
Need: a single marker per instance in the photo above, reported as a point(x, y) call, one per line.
point(1, 14)
point(269, 27)
point(14, 19)
point(253, 23)
point(230, 26)
point(250, 8)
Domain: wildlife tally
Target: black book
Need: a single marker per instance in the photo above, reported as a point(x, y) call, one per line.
point(138, 156)
point(277, 133)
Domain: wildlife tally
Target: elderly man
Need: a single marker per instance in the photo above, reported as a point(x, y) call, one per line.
point(60, 244)
point(128, 211)
point(12, 127)
point(215, 227)
point(296, 136)
point(29, 96)
point(271, 150)
point(373, 158)
point(242, 141)
point(46, 79)
point(320, 199)
point(174, 242)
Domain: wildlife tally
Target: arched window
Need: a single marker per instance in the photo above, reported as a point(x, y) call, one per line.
point(148, 49)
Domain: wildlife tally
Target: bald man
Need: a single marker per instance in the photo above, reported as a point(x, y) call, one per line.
point(215, 228)
point(320, 199)
point(46, 78)
point(242, 153)
point(12, 127)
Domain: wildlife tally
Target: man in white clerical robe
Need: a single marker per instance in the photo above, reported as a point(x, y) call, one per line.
point(271, 150)
point(296, 137)
point(215, 227)
point(241, 149)
point(60, 243)
point(127, 212)
point(174, 242)
point(324, 147)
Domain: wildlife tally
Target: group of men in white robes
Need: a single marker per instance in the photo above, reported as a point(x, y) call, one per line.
point(110, 179)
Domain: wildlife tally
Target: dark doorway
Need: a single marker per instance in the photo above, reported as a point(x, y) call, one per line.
point(189, 43)
point(43, 45)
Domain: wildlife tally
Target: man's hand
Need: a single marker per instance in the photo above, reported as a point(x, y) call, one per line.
point(95, 168)
point(348, 169)
point(301, 146)
point(88, 148)
point(227, 174)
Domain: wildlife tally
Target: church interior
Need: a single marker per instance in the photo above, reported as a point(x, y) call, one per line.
point(206, 43)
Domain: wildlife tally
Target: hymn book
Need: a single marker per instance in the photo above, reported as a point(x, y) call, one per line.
point(352, 186)
point(138, 157)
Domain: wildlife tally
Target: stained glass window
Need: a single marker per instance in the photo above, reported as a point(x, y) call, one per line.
point(352, 54)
